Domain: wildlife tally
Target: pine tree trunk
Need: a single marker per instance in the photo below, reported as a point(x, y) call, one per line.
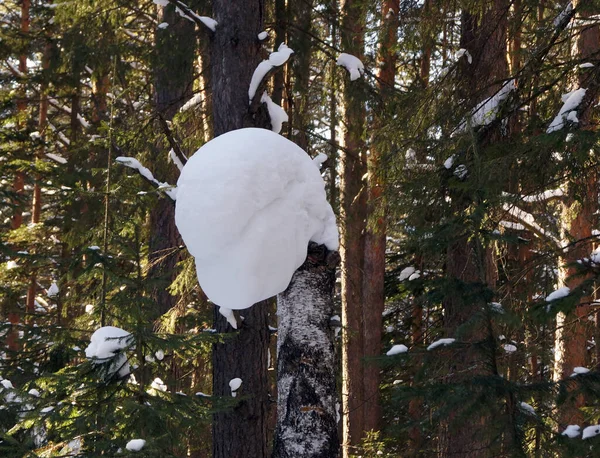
point(235, 53)
point(173, 80)
point(468, 260)
point(374, 255)
point(307, 402)
point(578, 216)
point(353, 217)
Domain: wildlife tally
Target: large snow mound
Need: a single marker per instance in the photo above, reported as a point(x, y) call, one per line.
point(248, 203)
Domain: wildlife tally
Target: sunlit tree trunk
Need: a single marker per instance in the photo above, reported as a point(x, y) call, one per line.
point(578, 220)
point(307, 401)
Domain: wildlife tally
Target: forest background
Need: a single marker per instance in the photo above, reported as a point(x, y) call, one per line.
point(462, 166)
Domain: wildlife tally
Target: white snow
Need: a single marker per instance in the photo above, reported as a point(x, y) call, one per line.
point(406, 273)
point(440, 342)
point(94, 248)
point(449, 162)
point(276, 59)
point(276, 113)
point(568, 111)
point(107, 342)
point(595, 256)
point(161, 2)
point(47, 409)
point(397, 349)
point(235, 384)
point(579, 370)
point(34, 392)
point(228, 314)
point(527, 408)
point(586, 65)
point(415, 275)
point(11, 265)
point(590, 431)
point(135, 445)
point(57, 158)
point(572, 431)
point(487, 111)
point(263, 35)
point(564, 14)
point(461, 171)
point(158, 385)
point(558, 294)
point(194, 101)
point(550, 193)
point(160, 355)
point(352, 63)
point(7, 384)
point(133, 163)
point(249, 201)
point(463, 52)
point(53, 290)
point(163, 25)
point(89, 308)
point(509, 348)
point(175, 159)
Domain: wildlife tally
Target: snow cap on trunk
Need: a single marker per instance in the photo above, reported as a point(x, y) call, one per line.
point(249, 201)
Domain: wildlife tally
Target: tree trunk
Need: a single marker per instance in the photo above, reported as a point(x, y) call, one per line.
point(307, 402)
point(173, 83)
point(578, 219)
point(353, 216)
point(235, 53)
point(374, 255)
point(468, 260)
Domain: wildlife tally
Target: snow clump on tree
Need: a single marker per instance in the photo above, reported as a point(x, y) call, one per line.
point(248, 203)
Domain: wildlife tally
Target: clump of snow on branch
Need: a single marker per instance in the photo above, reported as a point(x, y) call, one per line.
point(276, 113)
point(248, 203)
point(109, 343)
point(397, 349)
point(463, 52)
point(563, 16)
point(228, 314)
point(133, 163)
point(591, 431)
point(558, 294)
point(527, 408)
point(135, 445)
point(263, 35)
point(235, 384)
point(487, 111)
point(353, 64)
point(440, 342)
point(568, 112)
point(276, 59)
point(579, 370)
point(572, 431)
point(406, 273)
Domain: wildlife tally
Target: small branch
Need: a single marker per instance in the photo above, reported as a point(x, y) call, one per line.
point(202, 21)
point(529, 222)
point(133, 163)
point(171, 139)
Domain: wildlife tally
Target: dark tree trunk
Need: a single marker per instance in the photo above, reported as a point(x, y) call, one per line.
point(306, 382)
point(235, 53)
point(352, 216)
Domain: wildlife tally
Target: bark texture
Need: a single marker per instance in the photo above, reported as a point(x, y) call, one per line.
point(306, 383)
point(353, 216)
point(578, 215)
point(374, 255)
point(235, 53)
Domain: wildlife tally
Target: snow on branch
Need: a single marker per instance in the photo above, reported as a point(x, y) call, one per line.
point(276, 113)
point(84, 123)
point(528, 221)
point(543, 196)
point(186, 12)
point(564, 17)
point(133, 163)
point(276, 59)
point(176, 154)
point(568, 112)
point(351, 63)
point(487, 111)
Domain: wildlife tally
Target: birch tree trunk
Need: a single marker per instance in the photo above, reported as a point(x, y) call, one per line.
point(307, 403)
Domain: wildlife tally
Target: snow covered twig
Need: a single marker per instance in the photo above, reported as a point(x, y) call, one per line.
point(133, 163)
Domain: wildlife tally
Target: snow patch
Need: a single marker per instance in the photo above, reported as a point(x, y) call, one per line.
point(440, 342)
point(590, 431)
point(353, 64)
point(568, 111)
point(235, 384)
point(107, 343)
point(558, 294)
point(249, 201)
point(276, 59)
point(572, 431)
point(397, 349)
point(135, 445)
point(276, 113)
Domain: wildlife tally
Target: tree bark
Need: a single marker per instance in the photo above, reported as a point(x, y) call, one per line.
point(235, 53)
point(578, 219)
point(353, 217)
point(307, 404)
point(374, 255)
